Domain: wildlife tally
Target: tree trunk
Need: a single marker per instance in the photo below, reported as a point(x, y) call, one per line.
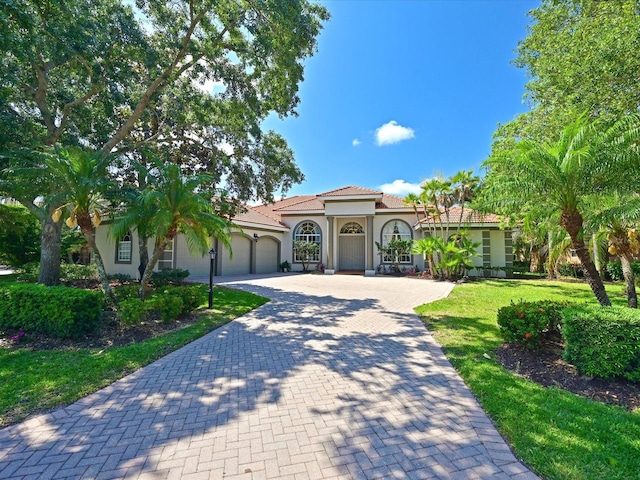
point(629, 278)
point(143, 249)
point(50, 248)
point(86, 226)
point(571, 221)
point(148, 271)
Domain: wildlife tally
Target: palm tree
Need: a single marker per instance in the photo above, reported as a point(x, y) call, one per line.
point(617, 216)
point(586, 158)
point(426, 247)
point(173, 203)
point(413, 200)
point(464, 184)
point(78, 180)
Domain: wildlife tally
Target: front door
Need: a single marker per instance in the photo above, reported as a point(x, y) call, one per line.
point(351, 247)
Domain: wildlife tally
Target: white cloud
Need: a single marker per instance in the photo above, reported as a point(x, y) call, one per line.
point(355, 142)
point(400, 188)
point(391, 133)
point(226, 148)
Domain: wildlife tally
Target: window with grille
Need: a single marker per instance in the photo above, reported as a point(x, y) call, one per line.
point(308, 232)
point(123, 249)
point(396, 230)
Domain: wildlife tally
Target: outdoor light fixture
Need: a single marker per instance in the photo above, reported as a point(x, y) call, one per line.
point(212, 259)
point(255, 236)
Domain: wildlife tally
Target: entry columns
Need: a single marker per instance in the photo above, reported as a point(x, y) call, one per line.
point(330, 244)
point(369, 271)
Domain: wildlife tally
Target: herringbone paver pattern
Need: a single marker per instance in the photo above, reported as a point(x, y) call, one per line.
point(335, 378)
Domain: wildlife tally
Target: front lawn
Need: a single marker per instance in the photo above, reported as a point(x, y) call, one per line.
point(33, 381)
point(558, 434)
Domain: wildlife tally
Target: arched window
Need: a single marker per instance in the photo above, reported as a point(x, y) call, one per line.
point(396, 230)
point(308, 232)
point(351, 228)
point(123, 249)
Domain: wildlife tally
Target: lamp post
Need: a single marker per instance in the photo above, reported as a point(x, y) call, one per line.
point(212, 259)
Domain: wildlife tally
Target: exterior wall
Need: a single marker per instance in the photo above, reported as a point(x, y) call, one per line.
point(197, 263)
point(345, 208)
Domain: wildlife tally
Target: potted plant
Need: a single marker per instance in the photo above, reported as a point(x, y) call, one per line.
point(285, 266)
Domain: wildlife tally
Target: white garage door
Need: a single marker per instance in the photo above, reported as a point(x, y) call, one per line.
point(240, 264)
point(266, 255)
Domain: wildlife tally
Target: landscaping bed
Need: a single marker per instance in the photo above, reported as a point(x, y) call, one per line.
point(546, 367)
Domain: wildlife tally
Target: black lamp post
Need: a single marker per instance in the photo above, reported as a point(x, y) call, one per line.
point(212, 259)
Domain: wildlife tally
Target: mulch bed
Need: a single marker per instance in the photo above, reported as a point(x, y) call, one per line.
point(546, 367)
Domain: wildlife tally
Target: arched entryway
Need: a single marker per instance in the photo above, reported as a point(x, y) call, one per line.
point(351, 247)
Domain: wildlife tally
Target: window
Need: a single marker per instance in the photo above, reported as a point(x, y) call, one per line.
point(396, 230)
point(123, 249)
point(166, 258)
point(308, 232)
point(352, 228)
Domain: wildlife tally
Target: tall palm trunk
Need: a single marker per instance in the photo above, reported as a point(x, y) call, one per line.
point(86, 226)
point(157, 253)
point(629, 279)
point(571, 221)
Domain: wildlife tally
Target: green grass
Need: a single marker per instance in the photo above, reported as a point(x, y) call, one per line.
point(34, 381)
point(558, 434)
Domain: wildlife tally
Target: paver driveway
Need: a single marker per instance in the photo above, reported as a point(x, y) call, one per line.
point(334, 378)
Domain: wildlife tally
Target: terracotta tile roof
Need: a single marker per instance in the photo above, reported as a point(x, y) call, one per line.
point(310, 204)
point(469, 216)
point(252, 215)
point(349, 191)
point(391, 201)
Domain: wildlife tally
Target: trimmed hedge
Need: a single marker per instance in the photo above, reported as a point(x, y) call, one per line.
point(525, 322)
point(171, 302)
point(58, 311)
point(603, 341)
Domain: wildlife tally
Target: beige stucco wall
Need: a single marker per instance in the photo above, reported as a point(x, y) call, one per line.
point(354, 208)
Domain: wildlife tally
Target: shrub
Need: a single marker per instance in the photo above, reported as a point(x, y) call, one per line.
point(525, 322)
point(125, 292)
point(131, 311)
point(614, 269)
point(192, 296)
point(170, 276)
point(571, 270)
point(603, 341)
point(58, 311)
point(29, 272)
point(169, 306)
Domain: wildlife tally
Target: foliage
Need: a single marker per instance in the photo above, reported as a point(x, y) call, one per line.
point(19, 236)
point(112, 84)
point(169, 276)
point(603, 342)
point(53, 378)
point(305, 250)
point(614, 269)
point(169, 306)
point(525, 322)
point(587, 157)
point(558, 434)
point(285, 266)
point(395, 249)
point(173, 203)
point(171, 302)
point(131, 311)
point(57, 311)
point(580, 55)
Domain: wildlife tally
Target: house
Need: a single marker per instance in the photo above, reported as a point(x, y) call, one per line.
point(346, 224)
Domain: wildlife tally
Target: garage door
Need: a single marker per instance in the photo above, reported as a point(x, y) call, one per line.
point(240, 264)
point(266, 255)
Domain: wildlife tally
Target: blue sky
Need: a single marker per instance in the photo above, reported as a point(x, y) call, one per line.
point(400, 91)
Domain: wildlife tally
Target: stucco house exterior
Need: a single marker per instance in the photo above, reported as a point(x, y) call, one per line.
point(346, 223)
